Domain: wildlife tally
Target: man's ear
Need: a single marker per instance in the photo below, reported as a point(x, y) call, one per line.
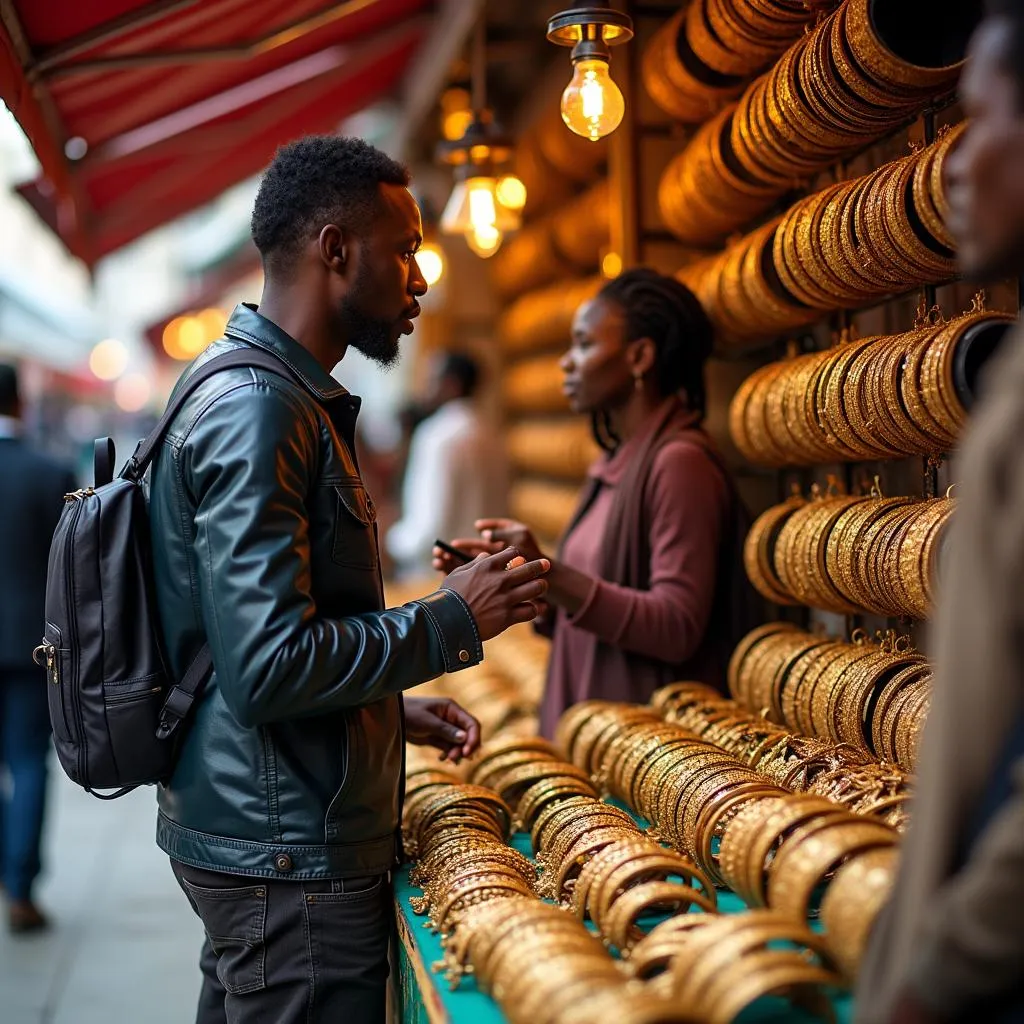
point(334, 248)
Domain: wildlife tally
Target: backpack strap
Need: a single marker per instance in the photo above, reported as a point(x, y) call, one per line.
point(244, 357)
point(183, 694)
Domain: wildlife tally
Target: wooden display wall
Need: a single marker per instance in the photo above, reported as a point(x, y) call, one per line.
point(541, 275)
point(653, 215)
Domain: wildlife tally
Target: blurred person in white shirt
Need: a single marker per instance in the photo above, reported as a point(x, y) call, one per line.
point(455, 473)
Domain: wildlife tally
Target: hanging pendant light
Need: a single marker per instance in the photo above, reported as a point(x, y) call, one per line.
point(592, 104)
point(485, 203)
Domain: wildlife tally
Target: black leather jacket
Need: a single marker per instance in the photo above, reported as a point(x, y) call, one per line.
point(265, 545)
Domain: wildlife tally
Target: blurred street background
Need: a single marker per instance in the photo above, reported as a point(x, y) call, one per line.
point(124, 945)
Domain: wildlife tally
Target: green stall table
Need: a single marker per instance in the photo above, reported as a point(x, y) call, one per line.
point(427, 998)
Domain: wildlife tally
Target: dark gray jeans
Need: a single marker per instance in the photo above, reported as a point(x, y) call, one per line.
point(291, 952)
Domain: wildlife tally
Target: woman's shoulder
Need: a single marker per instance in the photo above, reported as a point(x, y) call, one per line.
point(688, 450)
point(685, 460)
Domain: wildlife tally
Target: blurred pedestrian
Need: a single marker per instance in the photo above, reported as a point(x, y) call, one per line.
point(34, 486)
point(950, 945)
point(455, 471)
point(281, 818)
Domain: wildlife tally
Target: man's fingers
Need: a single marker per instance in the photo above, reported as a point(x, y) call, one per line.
point(449, 732)
point(523, 613)
point(504, 556)
point(530, 591)
point(472, 743)
point(492, 524)
point(528, 571)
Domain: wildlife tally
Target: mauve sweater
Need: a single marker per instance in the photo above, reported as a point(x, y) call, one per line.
point(688, 504)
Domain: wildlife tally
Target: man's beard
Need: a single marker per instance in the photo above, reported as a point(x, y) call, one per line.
point(374, 337)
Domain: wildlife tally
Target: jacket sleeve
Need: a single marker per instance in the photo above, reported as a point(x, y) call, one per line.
point(972, 946)
point(687, 508)
point(249, 467)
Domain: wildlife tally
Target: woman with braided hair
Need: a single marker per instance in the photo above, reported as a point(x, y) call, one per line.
point(648, 585)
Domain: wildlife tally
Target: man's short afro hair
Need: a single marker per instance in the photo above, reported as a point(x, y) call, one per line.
point(315, 181)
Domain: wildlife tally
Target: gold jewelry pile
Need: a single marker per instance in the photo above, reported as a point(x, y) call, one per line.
point(834, 90)
point(874, 697)
point(773, 847)
point(539, 962)
point(700, 59)
point(850, 244)
point(848, 554)
point(876, 398)
point(845, 774)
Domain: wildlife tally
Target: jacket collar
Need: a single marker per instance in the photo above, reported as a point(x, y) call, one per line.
point(246, 324)
point(671, 414)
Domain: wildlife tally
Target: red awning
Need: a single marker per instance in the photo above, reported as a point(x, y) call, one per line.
point(141, 110)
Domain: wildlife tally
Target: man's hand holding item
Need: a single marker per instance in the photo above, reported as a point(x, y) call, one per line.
point(441, 723)
point(499, 595)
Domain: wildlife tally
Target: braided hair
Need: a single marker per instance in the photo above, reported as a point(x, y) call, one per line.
point(666, 311)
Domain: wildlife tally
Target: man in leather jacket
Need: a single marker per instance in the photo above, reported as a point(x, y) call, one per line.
point(281, 818)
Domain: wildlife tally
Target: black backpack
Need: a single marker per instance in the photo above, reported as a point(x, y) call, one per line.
point(115, 710)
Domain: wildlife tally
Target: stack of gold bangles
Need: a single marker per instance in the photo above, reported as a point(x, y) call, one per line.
point(458, 833)
point(779, 852)
point(701, 58)
point(543, 967)
point(840, 248)
point(835, 89)
point(717, 966)
point(871, 696)
point(696, 805)
point(848, 554)
point(846, 775)
point(875, 398)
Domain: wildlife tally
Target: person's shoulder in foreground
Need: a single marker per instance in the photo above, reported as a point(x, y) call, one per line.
point(949, 947)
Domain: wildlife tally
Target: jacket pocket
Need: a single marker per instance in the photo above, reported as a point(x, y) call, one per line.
point(355, 540)
point(235, 922)
point(332, 832)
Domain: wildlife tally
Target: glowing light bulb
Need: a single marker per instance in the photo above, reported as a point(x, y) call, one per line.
point(485, 240)
point(511, 192)
point(483, 211)
point(592, 104)
point(430, 260)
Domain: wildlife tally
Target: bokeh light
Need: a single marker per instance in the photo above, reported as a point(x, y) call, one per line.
point(108, 359)
point(430, 260)
point(132, 392)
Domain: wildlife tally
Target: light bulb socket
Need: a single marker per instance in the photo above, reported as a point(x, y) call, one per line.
point(482, 143)
point(579, 24)
point(590, 49)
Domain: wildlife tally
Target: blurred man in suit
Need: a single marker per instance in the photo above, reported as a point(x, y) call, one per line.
point(33, 487)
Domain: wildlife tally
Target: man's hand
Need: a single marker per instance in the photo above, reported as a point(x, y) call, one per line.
point(443, 724)
point(500, 595)
point(471, 546)
point(512, 533)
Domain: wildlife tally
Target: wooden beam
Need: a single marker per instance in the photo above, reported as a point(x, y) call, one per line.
point(428, 72)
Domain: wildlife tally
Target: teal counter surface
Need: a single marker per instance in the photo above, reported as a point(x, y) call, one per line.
point(428, 999)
